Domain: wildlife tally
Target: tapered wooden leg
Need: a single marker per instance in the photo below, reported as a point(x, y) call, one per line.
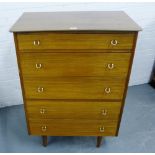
point(45, 140)
point(99, 140)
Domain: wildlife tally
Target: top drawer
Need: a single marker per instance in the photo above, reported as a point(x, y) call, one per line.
point(49, 40)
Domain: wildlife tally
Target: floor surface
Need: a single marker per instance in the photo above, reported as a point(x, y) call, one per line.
point(137, 131)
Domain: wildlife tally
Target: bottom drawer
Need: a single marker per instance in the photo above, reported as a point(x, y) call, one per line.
point(70, 127)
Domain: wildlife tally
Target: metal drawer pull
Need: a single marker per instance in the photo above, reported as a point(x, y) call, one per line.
point(36, 42)
point(104, 112)
point(102, 129)
point(40, 89)
point(114, 42)
point(107, 90)
point(42, 111)
point(43, 128)
point(110, 66)
point(38, 66)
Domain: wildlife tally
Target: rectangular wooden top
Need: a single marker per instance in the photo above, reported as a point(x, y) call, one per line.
point(75, 21)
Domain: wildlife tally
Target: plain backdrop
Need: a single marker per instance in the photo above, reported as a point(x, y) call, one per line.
point(142, 13)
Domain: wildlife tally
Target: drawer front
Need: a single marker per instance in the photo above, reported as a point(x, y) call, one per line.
point(71, 127)
point(74, 88)
point(28, 41)
point(74, 64)
point(46, 109)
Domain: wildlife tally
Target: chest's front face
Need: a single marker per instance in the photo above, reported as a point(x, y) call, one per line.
point(72, 78)
point(74, 83)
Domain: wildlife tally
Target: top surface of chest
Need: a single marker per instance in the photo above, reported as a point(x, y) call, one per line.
point(75, 21)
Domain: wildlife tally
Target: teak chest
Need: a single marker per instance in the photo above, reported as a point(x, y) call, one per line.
point(74, 70)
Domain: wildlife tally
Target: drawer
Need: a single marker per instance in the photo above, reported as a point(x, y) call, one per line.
point(48, 40)
point(71, 127)
point(46, 109)
point(74, 64)
point(74, 88)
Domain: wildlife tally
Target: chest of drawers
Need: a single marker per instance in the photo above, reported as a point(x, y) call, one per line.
point(74, 70)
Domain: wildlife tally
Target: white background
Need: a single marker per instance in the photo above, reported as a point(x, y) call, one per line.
point(142, 13)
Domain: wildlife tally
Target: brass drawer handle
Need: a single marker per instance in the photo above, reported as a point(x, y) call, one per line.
point(102, 129)
point(110, 66)
point(36, 42)
point(107, 90)
point(38, 66)
point(40, 89)
point(44, 128)
point(114, 42)
point(42, 111)
point(104, 112)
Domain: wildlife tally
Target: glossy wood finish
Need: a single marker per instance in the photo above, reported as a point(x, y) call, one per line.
point(71, 127)
point(21, 82)
point(66, 76)
point(74, 64)
point(74, 88)
point(46, 109)
point(46, 40)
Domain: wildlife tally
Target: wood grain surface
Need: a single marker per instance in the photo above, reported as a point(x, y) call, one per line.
point(74, 41)
point(74, 88)
point(49, 109)
point(74, 64)
point(71, 127)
